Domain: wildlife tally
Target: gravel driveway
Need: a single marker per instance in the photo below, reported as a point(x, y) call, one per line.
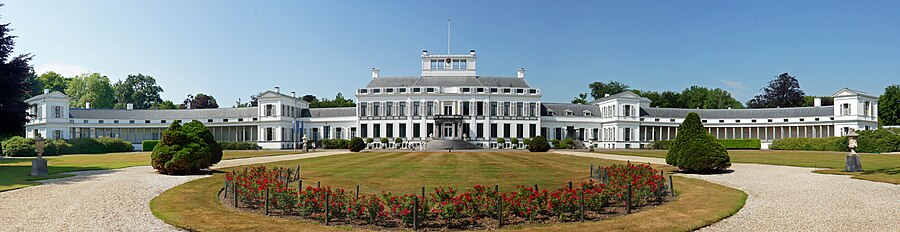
point(104, 200)
point(782, 198)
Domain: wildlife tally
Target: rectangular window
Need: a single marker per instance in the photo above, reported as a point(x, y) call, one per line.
point(353, 132)
point(362, 108)
point(57, 134)
point(337, 133)
point(429, 129)
point(390, 130)
point(479, 108)
point(429, 108)
point(506, 130)
point(401, 90)
point(389, 109)
point(363, 130)
point(415, 109)
point(376, 130)
point(416, 90)
point(402, 130)
point(506, 90)
point(493, 108)
point(493, 130)
point(480, 90)
point(465, 108)
point(506, 111)
point(402, 109)
point(270, 134)
point(327, 132)
point(417, 130)
point(270, 110)
point(520, 106)
point(520, 129)
point(532, 109)
point(479, 129)
point(57, 111)
point(389, 90)
point(531, 129)
point(376, 109)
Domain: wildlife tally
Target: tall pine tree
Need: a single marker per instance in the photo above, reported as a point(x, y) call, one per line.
point(15, 87)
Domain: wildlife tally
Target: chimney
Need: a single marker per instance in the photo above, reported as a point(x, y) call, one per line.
point(472, 52)
point(277, 89)
point(375, 73)
point(46, 91)
point(424, 52)
point(87, 105)
point(817, 102)
point(129, 106)
point(519, 72)
point(293, 94)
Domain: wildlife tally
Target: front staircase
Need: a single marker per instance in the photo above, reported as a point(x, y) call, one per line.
point(450, 144)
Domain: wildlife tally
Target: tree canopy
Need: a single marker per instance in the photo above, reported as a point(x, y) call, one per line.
point(93, 88)
point(783, 91)
point(694, 97)
point(15, 87)
point(52, 81)
point(200, 101)
point(339, 101)
point(581, 99)
point(600, 89)
point(140, 90)
point(164, 105)
point(889, 106)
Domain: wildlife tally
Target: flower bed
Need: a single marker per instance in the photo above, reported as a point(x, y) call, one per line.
point(274, 191)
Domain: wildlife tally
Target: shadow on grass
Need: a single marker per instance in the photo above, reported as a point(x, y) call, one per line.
point(713, 172)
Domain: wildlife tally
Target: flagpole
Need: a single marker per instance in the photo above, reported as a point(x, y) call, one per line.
point(448, 36)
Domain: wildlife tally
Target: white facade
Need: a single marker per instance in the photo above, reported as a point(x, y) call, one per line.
point(450, 101)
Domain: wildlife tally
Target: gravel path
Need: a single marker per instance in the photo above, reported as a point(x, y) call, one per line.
point(104, 200)
point(782, 198)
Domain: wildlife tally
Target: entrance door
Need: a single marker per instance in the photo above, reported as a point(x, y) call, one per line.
point(448, 131)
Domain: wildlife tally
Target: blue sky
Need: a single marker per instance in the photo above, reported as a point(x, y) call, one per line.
point(232, 49)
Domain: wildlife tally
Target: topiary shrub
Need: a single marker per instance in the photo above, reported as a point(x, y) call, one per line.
point(538, 144)
point(384, 140)
point(357, 144)
point(741, 144)
point(369, 140)
point(148, 145)
point(695, 150)
point(185, 149)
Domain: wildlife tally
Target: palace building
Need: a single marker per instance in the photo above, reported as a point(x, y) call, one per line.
point(449, 104)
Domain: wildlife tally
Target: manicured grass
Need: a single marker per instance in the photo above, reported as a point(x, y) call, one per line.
point(16, 173)
point(194, 205)
point(878, 167)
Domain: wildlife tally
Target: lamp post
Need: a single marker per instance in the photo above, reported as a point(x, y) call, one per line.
point(39, 164)
point(853, 164)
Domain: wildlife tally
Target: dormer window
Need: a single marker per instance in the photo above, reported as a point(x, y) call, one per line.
point(416, 90)
point(532, 91)
point(551, 113)
point(587, 113)
point(430, 90)
point(388, 90)
point(480, 90)
point(376, 90)
point(363, 91)
point(520, 91)
point(401, 90)
point(569, 113)
point(494, 90)
point(465, 90)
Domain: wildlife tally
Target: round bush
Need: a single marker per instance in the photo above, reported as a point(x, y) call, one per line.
point(538, 144)
point(186, 149)
point(695, 150)
point(357, 144)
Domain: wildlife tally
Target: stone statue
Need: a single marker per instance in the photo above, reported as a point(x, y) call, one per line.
point(39, 164)
point(305, 140)
point(853, 163)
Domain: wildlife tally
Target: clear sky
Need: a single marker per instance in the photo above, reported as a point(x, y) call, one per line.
point(233, 49)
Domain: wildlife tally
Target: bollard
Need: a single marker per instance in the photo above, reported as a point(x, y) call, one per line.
point(267, 200)
point(671, 186)
point(628, 200)
point(591, 177)
point(582, 206)
point(318, 184)
point(299, 185)
point(234, 191)
point(326, 209)
point(415, 213)
point(497, 189)
point(570, 184)
point(536, 188)
point(357, 191)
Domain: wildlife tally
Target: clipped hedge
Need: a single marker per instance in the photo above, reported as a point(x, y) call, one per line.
point(811, 144)
point(239, 146)
point(538, 144)
point(148, 145)
point(878, 141)
point(24, 147)
point(661, 144)
point(356, 144)
point(335, 144)
point(741, 144)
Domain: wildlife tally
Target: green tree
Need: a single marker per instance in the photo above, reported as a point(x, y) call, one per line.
point(93, 88)
point(139, 90)
point(200, 101)
point(694, 149)
point(581, 99)
point(600, 89)
point(357, 144)
point(889, 106)
point(165, 105)
point(810, 100)
point(784, 91)
point(697, 97)
point(538, 144)
point(339, 101)
point(14, 85)
point(53, 81)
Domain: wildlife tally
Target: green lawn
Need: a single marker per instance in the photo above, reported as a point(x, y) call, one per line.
point(16, 173)
point(194, 206)
point(878, 167)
